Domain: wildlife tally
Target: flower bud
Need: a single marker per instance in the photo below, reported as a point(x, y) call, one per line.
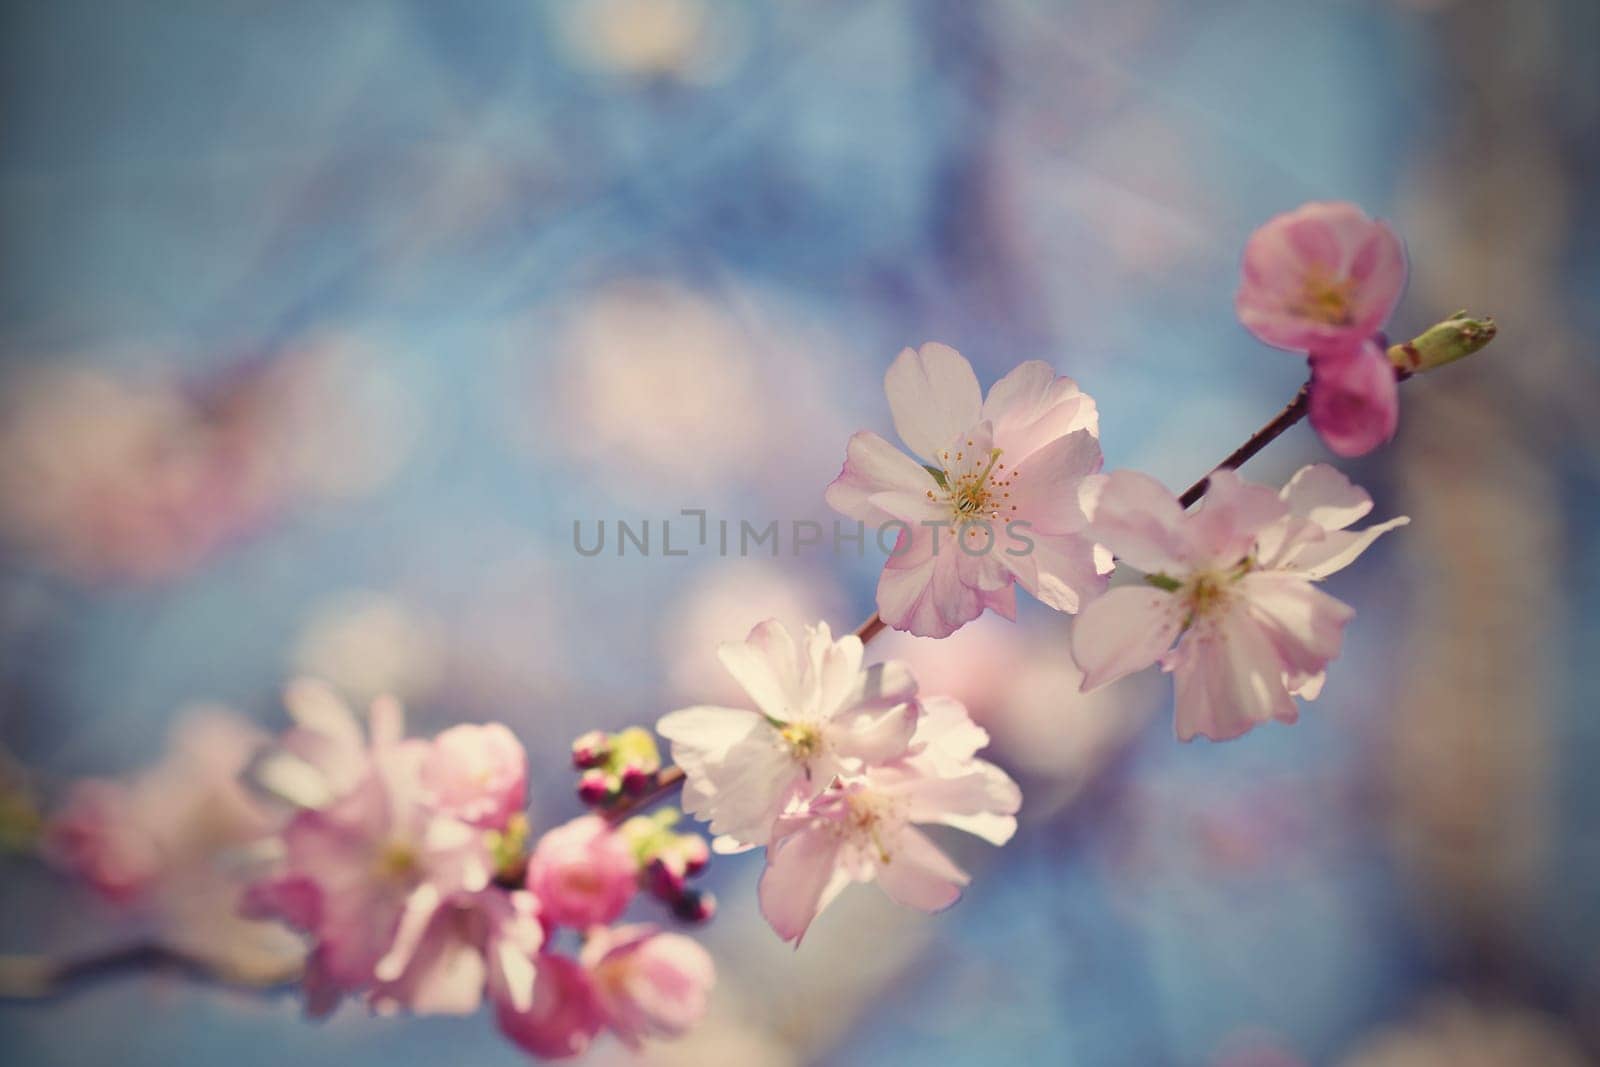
point(591, 750)
point(695, 906)
point(636, 781)
point(665, 880)
point(1454, 338)
point(595, 787)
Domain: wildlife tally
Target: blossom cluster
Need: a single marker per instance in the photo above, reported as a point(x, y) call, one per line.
point(832, 772)
point(407, 864)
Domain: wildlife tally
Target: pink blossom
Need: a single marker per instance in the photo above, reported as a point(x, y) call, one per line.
point(1355, 399)
point(996, 503)
point(1233, 582)
point(448, 949)
point(583, 873)
point(350, 870)
point(648, 984)
point(863, 829)
point(478, 774)
point(326, 754)
point(1321, 278)
point(563, 1015)
point(819, 714)
point(127, 837)
point(98, 836)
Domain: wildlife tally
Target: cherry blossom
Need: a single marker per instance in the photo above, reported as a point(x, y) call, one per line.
point(449, 949)
point(563, 1016)
point(1324, 279)
point(820, 714)
point(991, 500)
point(864, 829)
point(1355, 399)
point(478, 774)
point(350, 870)
point(1321, 278)
point(584, 873)
point(1233, 583)
point(647, 983)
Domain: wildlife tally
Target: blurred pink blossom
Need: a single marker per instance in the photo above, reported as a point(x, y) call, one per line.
point(354, 867)
point(478, 774)
point(449, 949)
point(563, 1016)
point(648, 984)
point(583, 873)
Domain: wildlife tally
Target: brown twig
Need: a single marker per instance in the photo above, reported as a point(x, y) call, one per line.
point(35, 978)
point(667, 781)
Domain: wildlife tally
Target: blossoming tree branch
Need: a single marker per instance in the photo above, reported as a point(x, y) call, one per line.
point(412, 878)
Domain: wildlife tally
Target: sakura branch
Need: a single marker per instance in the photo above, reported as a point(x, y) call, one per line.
point(414, 880)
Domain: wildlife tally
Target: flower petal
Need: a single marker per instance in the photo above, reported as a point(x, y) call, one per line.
point(798, 873)
point(1229, 679)
point(1325, 496)
point(767, 665)
point(934, 397)
point(1355, 399)
point(1124, 630)
point(1341, 548)
point(1031, 406)
point(918, 875)
point(872, 466)
point(1139, 519)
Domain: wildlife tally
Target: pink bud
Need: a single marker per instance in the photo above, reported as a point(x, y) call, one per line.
point(591, 750)
point(664, 879)
point(695, 906)
point(636, 781)
point(1355, 400)
point(594, 787)
point(583, 873)
point(478, 774)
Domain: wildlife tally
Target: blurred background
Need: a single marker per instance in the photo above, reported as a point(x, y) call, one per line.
point(322, 323)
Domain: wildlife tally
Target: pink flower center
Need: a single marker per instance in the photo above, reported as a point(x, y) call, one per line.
point(1324, 299)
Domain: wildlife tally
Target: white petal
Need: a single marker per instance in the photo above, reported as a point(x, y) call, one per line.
point(315, 706)
point(1304, 624)
point(872, 466)
point(1125, 630)
point(1139, 519)
point(1340, 548)
point(767, 665)
point(1325, 496)
point(918, 875)
point(799, 871)
point(1228, 680)
point(1031, 406)
point(934, 397)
